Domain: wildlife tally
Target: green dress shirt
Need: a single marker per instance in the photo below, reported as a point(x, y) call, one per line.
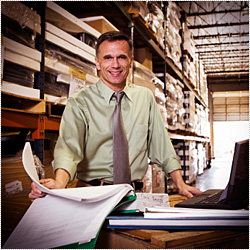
point(85, 147)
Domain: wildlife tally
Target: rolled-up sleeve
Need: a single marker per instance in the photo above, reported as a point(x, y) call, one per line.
point(70, 144)
point(160, 148)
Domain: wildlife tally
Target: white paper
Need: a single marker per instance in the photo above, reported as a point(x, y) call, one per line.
point(54, 221)
point(172, 212)
point(87, 194)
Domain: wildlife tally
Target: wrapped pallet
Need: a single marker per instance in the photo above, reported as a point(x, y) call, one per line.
point(201, 153)
point(189, 160)
point(189, 105)
point(173, 38)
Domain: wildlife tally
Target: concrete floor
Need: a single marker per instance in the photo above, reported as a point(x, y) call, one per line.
point(215, 177)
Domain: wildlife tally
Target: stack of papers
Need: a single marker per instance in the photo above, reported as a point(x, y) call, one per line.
point(64, 216)
point(182, 218)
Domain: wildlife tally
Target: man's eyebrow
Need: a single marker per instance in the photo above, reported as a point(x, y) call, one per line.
point(108, 55)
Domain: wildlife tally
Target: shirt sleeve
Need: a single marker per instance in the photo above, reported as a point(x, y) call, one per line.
point(160, 147)
point(70, 144)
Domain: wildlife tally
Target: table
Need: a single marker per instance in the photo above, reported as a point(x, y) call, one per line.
point(186, 239)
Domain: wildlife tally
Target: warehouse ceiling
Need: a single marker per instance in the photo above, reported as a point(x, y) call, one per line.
point(221, 33)
point(220, 30)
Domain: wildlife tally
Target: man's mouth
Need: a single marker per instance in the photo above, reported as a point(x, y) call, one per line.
point(115, 73)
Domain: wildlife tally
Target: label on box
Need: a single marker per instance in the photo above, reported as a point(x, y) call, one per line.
point(13, 187)
point(76, 85)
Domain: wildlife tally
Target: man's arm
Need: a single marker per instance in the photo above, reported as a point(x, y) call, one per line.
point(183, 188)
point(61, 179)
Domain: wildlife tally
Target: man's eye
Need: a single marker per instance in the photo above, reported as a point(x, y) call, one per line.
point(123, 57)
point(107, 57)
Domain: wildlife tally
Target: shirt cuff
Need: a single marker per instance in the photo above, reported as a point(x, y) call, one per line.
point(171, 165)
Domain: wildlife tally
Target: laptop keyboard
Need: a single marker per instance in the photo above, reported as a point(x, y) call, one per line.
point(212, 199)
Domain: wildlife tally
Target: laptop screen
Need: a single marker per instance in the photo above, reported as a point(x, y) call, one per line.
point(237, 190)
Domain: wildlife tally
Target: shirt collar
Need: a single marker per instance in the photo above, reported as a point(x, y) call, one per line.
point(107, 92)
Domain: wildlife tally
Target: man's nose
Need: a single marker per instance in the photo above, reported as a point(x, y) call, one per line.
point(116, 63)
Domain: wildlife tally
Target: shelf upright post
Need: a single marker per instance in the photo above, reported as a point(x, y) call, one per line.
point(40, 76)
point(164, 7)
point(184, 161)
point(131, 33)
point(40, 45)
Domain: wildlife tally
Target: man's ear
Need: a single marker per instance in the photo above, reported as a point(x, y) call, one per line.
point(97, 64)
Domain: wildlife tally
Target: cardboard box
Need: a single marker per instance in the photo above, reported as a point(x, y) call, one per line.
point(144, 56)
point(15, 188)
point(100, 23)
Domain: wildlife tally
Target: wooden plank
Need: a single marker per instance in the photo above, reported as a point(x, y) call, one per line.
point(180, 238)
point(21, 49)
point(143, 233)
point(197, 239)
point(66, 21)
point(117, 240)
point(21, 60)
point(174, 199)
point(16, 89)
point(69, 47)
point(69, 38)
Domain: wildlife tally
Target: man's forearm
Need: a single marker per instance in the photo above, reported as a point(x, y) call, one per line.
point(177, 178)
point(62, 177)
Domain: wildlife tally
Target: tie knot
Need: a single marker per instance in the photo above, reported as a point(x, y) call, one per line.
point(118, 96)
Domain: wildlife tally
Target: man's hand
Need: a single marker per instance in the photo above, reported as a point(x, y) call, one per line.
point(48, 183)
point(61, 180)
point(188, 191)
point(183, 188)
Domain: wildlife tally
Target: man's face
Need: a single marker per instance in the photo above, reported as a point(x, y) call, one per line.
point(113, 61)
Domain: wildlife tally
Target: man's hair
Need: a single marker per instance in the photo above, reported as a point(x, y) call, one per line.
point(113, 36)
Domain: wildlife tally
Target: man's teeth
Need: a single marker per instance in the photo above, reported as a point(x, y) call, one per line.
point(116, 73)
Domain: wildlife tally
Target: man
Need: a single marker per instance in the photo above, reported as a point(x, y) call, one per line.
point(85, 145)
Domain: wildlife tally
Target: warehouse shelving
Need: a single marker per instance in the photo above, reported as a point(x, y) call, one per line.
point(51, 12)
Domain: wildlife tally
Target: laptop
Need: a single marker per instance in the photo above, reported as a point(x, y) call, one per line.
point(236, 193)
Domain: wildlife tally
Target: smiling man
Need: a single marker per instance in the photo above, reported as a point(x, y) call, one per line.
point(86, 147)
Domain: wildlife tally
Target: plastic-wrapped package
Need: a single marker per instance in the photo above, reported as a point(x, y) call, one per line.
point(68, 59)
point(201, 155)
point(155, 19)
point(158, 180)
point(74, 73)
point(142, 71)
point(172, 102)
point(143, 76)
point(186, 65)
point(13, 31)
point(172, 110)
point(171, 91)
point(173, 38)
point(52, 87)
point(188, 42)
point(87, 38)
point(18, 74)
point(22, 14)
point(189, 105)
point(147, 180)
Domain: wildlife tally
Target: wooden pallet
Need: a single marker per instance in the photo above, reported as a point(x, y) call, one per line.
point(12, 102)
point(160, 239)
